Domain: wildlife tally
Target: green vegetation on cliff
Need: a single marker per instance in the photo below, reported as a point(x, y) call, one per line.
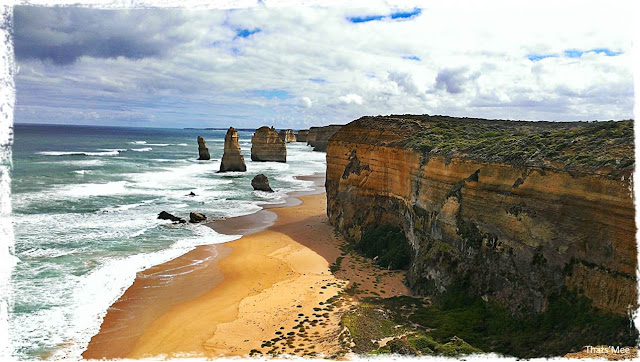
point(605, 147)
point(460, 324)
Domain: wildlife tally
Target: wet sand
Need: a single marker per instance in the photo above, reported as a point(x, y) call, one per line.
point(269, 292)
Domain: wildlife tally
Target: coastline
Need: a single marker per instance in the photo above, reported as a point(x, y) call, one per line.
point(157, 289)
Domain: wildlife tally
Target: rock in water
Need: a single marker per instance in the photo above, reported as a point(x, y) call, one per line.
point(203, 151)
point(287, 135)
point(232, 159)
point(163, 215)
point(261, 183)
point(267, 146)
point(302, 135)
point(196, 217)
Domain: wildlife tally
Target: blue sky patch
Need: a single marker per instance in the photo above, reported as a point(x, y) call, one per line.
point(394, 15)
point(317, 80)
point(406, 14)
point(536, 57)
point(575, 53)
point(271, 93)
point(245, 33)
point(411, 57)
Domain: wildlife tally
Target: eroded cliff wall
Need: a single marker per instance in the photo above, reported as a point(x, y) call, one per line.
point(516, 229)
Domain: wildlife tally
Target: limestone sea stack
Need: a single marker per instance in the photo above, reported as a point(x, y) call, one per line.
point(323, 135)
point(266, 146)
point(302, 134)
point(287, 135)
point(261, 183)
point(232, 159)
point(203, 151)
point(311, 136)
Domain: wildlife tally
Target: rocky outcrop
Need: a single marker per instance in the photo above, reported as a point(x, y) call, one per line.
point(287, 135)
point(516, 211)
point(323, 134)
point(163, 215)
point(196, 217)
point(302, 135)
point(203, 151)
point(232, 159)
point(261, 183)
point(311, 136)
point(266, 145)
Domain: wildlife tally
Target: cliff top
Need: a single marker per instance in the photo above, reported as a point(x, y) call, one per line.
point(593, 147)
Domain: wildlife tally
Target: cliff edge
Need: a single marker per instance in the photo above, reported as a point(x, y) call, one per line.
point(517, 212)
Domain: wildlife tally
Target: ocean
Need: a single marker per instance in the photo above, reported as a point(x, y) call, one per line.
point(85, 204)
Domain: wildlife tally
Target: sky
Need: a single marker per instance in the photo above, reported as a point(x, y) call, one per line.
point(295, 67)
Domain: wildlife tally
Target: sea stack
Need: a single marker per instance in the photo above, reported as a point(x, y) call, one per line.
point(261, 183)
point(232, 159)
point(302, 135)
point(287, 135)
point(266, 145)
point(323, 135)
point(203, 151)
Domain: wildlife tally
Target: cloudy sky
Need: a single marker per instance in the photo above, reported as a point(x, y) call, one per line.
point(303, 66)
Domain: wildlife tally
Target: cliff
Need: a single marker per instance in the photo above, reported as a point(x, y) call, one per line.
point(232, 159)
point(302, 135)
point(515, 211)
point(287, 135)
point(266, 145)
point(322, 137)
point(311, 136)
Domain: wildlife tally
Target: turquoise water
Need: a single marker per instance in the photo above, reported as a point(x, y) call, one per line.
point(85, 202)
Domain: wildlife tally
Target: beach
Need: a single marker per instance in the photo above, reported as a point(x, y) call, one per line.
point(271, 291)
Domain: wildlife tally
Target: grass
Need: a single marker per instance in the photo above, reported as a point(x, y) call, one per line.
point(461, 324)
point(569, 323)
point(606, 147)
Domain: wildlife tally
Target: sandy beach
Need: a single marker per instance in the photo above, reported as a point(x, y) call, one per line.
point(269, 292)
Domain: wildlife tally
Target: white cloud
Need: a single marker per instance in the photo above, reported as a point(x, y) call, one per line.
point(472, 62)
point(350, 98)
point(306, 102)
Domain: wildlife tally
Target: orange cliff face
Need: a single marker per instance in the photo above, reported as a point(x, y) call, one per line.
point(514, 233)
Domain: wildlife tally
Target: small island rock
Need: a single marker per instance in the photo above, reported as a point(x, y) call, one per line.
point(196, 217)
point(163, 215)
point(261, 183)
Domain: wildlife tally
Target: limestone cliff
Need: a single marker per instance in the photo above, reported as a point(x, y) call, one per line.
point(287, 135)
point(517, 210)
point(311, 136)
point(232, 159)
point(266, 145)
point(302, 135)
point(322, 137)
